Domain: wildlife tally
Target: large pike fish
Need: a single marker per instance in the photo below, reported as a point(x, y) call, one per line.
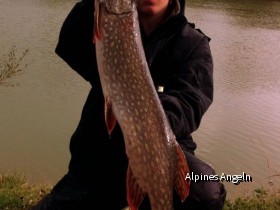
point(157, 164)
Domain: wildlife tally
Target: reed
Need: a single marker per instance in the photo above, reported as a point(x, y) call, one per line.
point(11, 64)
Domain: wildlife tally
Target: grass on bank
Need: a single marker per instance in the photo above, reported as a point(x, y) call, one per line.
point(261, 199)
point(16, 193)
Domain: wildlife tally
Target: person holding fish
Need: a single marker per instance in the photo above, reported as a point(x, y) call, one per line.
point(178, 57)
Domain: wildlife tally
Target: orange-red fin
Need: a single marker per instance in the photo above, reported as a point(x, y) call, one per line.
point(110, 118)
point(182, 186)
point(134, 193)
point(97, 35)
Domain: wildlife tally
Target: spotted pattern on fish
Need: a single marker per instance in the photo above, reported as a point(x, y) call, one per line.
point(150, 144)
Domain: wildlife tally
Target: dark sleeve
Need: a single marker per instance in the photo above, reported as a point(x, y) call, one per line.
point(75, 45)
point(190, 90)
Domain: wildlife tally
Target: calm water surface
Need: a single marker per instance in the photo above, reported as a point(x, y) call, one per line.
point(239, 133)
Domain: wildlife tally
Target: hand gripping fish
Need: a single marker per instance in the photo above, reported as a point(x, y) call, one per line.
point(157, 164)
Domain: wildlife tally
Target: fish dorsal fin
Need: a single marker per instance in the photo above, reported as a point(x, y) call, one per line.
point(182, 186)
point(135, 194)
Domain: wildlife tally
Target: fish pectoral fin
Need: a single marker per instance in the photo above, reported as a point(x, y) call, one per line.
point(97, 35)
point(110, 118)
point(182, 186)
point(134, 192)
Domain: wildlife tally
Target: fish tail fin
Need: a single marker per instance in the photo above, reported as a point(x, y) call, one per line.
point(135, 194)
point(182, 186)
point(110, 118)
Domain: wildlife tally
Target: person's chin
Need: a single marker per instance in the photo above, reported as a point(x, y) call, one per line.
point(149, 2)
point(147, 11)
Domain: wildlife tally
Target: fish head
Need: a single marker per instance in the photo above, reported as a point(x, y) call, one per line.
point(105, 8)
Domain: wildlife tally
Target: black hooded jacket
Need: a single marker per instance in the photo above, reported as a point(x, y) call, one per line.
point(180, 61)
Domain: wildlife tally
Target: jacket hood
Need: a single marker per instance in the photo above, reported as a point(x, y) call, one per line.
point(182, 6)
point(179, 6)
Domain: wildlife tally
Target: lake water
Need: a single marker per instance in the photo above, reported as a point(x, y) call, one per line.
point(239, 133)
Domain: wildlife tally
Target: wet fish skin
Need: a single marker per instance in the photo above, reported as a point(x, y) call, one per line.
point(156, 162)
